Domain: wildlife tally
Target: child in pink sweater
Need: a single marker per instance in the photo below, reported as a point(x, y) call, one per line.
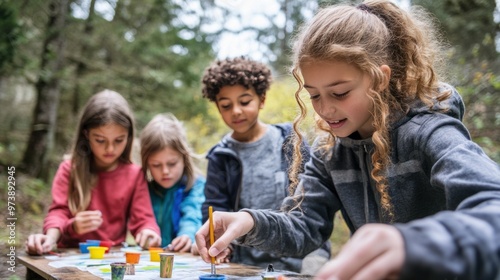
point(99, 192)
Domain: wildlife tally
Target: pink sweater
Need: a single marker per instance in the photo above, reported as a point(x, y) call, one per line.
point(122, 197)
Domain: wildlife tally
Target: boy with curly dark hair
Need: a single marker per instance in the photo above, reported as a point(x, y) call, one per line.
point(248, 167)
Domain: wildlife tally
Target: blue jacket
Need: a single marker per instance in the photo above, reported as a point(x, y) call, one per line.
point(444, 189)
point(223, 188)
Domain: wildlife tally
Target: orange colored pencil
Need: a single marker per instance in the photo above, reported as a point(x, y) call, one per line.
point(212, 239)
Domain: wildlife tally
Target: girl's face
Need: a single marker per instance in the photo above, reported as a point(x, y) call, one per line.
point(166, 167)
point(239, 108)
point(107, 143)
point(338, 93)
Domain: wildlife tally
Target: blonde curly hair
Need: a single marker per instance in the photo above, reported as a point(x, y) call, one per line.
point(369, 35)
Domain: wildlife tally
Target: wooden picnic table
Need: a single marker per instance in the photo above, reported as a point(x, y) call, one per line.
point(38, 268)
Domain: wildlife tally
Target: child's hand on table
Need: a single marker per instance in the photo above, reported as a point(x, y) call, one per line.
point(37, 244)
point(148, 238)
point(180, 244)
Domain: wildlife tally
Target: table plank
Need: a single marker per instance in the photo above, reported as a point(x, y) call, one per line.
point(40, 265)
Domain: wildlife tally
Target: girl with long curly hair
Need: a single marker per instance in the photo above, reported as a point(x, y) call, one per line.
point(392, 155)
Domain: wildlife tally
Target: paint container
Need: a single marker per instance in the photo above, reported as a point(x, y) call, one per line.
point(213, 277)
point(130, 269)
point(93, 242)
point(132, 257)
point(96, 252)
point(118, 270)
point(154, 254)
point(106, 243)
point(166, 265)
point(84, 247)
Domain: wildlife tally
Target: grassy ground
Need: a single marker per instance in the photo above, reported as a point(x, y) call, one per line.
point(340, 234)
point(32, 198)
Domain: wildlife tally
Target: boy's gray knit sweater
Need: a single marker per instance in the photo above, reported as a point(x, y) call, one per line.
point(444, 190)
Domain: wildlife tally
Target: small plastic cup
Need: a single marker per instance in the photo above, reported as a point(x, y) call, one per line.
point(166, 265)
point(154, 254)
point(84, 247)
point(96, 252)
point(130, 269)
point(106, 243)
point(118, 270)
point(132, 257)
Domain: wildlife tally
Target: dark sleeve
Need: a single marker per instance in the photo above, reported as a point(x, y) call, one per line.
point(463, 242)
point(217, 192)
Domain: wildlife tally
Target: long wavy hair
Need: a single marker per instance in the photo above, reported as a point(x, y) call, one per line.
point(103, 108)
point(166, 131)
point(367, 36)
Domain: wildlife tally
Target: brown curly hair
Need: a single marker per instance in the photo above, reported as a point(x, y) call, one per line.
point(236, 71)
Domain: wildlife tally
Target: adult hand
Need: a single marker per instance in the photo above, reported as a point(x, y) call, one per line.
point(180, 244)
point(37, 244)
point(87, 221)
point(375, 251)
point(148, 238)
point(227, 227)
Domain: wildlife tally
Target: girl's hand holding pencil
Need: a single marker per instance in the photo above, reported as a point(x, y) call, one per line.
point(226, 228)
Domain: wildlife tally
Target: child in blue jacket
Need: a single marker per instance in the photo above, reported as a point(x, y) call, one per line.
point(175, 184)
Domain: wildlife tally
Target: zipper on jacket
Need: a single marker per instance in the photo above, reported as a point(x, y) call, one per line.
point(366, 180)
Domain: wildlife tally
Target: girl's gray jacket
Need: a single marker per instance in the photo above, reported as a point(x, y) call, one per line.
point(444, 189)
point(223, 189)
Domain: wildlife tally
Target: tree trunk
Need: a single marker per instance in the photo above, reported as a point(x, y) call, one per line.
point(35, 160)
point(81, 67)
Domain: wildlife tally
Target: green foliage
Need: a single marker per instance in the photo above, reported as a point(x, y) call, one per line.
point(474, 64)
point(480, 91)
point(10, 35)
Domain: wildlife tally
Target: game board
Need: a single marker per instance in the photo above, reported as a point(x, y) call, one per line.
point(185, 266)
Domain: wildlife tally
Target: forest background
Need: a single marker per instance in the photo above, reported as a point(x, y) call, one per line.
point(55, 54)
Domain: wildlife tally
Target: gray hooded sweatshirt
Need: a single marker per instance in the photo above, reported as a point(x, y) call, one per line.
point(444, 189)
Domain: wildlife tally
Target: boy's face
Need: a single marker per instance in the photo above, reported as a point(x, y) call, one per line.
point(239, 108)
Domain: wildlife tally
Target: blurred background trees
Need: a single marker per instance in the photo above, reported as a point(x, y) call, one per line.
point(55, 54)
